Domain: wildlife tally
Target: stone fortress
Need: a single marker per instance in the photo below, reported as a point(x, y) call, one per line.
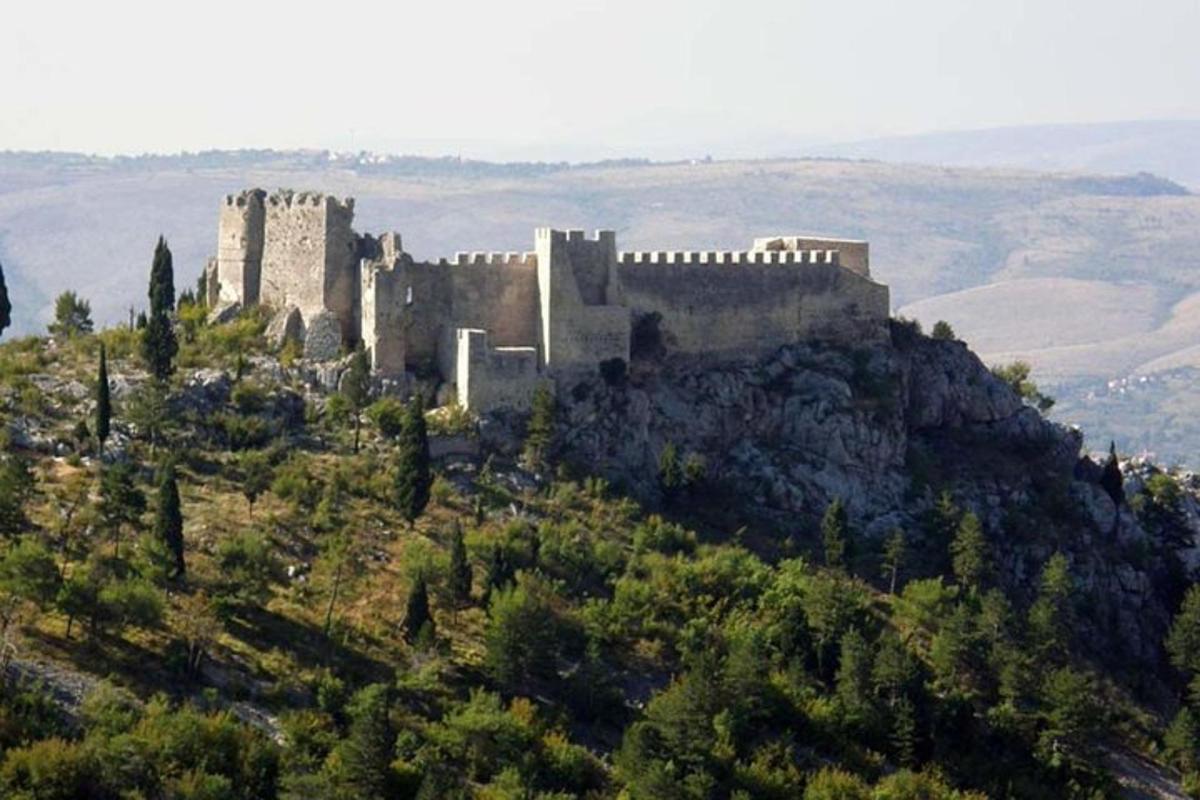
point(496, 325)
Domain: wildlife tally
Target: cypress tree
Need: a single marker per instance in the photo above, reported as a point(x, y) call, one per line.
point(1111, 480)
point(416, 611)
point(168, 521)
point(5, 305)
point(162, 280)
point(159, 345)
point(460, 569)
point(413, 477)
point(540, 434)
point(103, 401)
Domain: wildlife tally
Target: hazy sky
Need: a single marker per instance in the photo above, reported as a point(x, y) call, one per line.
point(563, 79)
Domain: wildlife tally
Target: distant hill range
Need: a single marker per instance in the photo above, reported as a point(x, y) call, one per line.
point(1163, 147)
point(1092, 277)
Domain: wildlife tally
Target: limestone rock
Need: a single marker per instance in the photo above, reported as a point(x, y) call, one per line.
point(223, 313)
point(323, 338)
point(286, 326)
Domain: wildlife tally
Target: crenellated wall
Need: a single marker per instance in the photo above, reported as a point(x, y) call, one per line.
point(497, 323)
point(309, 256)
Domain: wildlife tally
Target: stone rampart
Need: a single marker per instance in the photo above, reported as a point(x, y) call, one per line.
point(240, 246)
point(730, 310)
point(727, 257)
point(488, 377)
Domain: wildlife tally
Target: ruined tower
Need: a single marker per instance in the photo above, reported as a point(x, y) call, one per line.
point(240, 247)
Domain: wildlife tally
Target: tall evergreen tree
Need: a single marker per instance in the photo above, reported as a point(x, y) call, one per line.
point(894, 550)
point(460, 569)
point(834, 534)
point(497, 573)
point(968, 553)
point(121, 501)
point(413, 476)
point(5, 305)
point(159, 344)
point(416, 610)
point(103, 401)
point(368, 749)
point(540, 433)
point(168, 519)
point(162, 280)
point(356, 388)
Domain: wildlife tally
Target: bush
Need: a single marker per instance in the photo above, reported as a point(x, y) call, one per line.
point(387, 414)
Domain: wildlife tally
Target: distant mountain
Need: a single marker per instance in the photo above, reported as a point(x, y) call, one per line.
point(1170, 148)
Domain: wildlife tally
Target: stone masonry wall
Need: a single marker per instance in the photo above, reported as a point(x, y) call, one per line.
point(488, 378)
point(724, 310)
point(240, 247)
point(309, 257)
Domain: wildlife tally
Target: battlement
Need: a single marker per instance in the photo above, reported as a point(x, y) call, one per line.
point(507, 259)
point(287, 198)
point(247, 197)
point(732, 258)
point(574, 235)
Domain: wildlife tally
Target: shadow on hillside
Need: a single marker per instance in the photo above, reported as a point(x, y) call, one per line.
point(307, 643)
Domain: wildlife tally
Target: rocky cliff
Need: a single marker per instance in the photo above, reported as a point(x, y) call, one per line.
point(889, 430)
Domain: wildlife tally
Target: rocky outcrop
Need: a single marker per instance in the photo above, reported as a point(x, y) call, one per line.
point(887, 429)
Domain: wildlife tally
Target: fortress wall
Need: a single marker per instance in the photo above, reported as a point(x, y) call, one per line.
point(732, 257)
point(737, 310)
point(383, 306)
point(854, 253)
point(240, 247)
point(487, 378)
point(308, 256)
point(500, 297)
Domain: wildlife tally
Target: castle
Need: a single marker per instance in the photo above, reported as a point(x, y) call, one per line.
point(496, 325)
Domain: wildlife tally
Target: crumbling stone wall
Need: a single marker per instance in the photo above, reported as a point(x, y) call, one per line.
point(240, 247)
point(497, 323)
point(310, 257)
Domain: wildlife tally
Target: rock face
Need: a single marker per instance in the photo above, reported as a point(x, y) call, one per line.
point(887, 429)
point(323, 337)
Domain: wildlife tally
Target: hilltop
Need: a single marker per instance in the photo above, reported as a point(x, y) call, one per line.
point(836, 572)
point(1090, 278)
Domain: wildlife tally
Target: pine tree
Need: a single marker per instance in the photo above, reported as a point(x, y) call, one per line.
point(413, 476)
point(202, 288)
point(121, 502)
point(72, 315)
point(460, 569)
point(968, 553)
point(834, 534)
point(894, 549)
point(904, 733)
point(416, 611)
point(5, 305)
point(497, 574)
point(168, 521)
point(854, 675)
point(103, 401)
point(670, 470)
point(369, 746)
point(1182, 741)
point(162, 280)
point(356, 388)
point(1050, 616)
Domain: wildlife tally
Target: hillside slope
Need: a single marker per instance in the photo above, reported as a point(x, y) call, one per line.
point(858, 573)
